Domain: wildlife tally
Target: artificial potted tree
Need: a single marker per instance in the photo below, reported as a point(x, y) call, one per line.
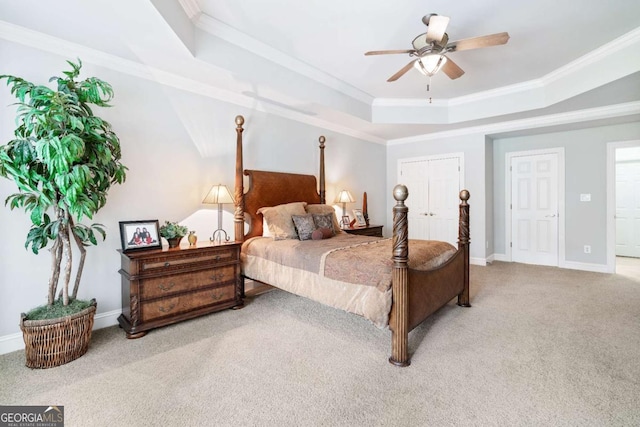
point(63, 160)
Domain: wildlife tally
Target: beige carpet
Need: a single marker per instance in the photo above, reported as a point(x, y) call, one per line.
point(540, 346)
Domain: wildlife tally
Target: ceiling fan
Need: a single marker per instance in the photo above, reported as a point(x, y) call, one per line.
point(430, 49)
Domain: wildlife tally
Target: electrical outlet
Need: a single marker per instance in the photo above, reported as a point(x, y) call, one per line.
point(587, 249)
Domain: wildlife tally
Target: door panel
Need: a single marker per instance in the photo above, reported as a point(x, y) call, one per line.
point(534, 209)
point(628, 209)
point(415, 177)
point(433, 201)
point(444, 186)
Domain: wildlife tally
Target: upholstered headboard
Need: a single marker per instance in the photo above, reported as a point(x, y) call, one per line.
point(270, 189)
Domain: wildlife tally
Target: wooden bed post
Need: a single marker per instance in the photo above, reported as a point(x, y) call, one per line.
point(463, 244)
point(322, 186)
point(400, 319)
point(238, 217)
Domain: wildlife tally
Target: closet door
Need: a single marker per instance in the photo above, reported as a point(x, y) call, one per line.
point(434, 184)
point(415, 176)
point(444, 186)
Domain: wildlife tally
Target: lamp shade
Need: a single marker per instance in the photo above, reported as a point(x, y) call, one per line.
point(219, 194)
point(344, 197)
point(430, 64)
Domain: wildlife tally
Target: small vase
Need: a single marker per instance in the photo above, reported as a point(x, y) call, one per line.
point(192, 238)
point(174, 242)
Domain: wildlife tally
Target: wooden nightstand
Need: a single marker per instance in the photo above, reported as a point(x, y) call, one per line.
point(371, 230)
point(161, 287)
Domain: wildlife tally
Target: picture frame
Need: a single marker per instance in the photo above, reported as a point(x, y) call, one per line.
point(140, 235)
point(360, 219)
point(345, 221)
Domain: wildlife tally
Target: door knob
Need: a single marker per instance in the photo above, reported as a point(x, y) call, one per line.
point(550, 216)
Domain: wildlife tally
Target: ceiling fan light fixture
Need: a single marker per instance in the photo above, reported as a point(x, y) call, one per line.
point(429, 65)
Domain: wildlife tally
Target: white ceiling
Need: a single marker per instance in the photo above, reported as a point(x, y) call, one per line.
point(305, 60)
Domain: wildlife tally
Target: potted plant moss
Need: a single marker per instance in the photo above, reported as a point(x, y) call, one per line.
point(63, 160)
point(173, 232)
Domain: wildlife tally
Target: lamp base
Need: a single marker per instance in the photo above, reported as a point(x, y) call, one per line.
point(217, 236)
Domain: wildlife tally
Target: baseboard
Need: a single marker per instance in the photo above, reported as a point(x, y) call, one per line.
point(572, 265)
point(477, 261)
point(596, 268)
point(490, 258)
point(500, 257)
point(14, 342)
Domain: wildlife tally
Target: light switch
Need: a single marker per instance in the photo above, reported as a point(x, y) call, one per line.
point(585, 197)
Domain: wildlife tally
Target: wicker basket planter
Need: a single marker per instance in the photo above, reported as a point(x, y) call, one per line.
point(54, 342)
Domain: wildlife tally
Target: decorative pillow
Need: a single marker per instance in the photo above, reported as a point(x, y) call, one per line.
point(322, 233)
point(324, 221)
point(304, 225)
point(265, 228)
point(279, 221)
point(325, 209)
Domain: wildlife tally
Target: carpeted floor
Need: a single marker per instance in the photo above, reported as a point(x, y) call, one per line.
point(540, 346)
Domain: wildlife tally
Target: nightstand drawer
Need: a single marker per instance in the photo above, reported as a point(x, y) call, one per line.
point(176, 283)
point(186, 302)
point(165, 265)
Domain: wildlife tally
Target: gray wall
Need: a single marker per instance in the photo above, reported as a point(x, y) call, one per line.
point(585, 172)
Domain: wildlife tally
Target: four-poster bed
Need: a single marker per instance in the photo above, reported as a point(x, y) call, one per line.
point(319, 269)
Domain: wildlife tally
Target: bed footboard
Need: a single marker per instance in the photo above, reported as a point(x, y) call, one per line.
point(418, 294)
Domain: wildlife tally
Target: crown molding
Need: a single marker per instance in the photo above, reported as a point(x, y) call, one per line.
point(238, 38)
point(599, 55)
point(47, 43)
point(191, 8)
point(618, 110)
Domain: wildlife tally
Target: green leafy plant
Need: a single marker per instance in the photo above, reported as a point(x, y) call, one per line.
point(63, 159)
point(171, 230)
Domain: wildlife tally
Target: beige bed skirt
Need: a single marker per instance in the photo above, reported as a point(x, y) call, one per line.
point(363, 300)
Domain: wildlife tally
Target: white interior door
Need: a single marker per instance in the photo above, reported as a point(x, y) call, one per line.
point(415, 176)
point(534, 209)
point(433, 201)
point(628, 209)
point(444, 186)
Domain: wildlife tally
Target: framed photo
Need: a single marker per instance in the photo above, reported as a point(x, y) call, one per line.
point(345, 221)
point(136, 235)
point(360, 221)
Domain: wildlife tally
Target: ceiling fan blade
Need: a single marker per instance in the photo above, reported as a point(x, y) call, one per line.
point(387, 52)
point(478, 42)
point(436, 26)
point(400, 73)
point(452, 69)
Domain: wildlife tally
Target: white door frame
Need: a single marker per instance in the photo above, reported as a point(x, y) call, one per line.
point(611, 200)
point(559, 151)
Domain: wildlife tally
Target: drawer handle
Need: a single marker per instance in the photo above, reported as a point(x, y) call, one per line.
point(162, 287)
point(217, 296)
point(217, 258)
point(167, 264)
point(167, 309)
point(217, 277)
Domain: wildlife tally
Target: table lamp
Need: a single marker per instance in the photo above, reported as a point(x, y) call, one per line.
point(344, 197)
point(219, 194)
